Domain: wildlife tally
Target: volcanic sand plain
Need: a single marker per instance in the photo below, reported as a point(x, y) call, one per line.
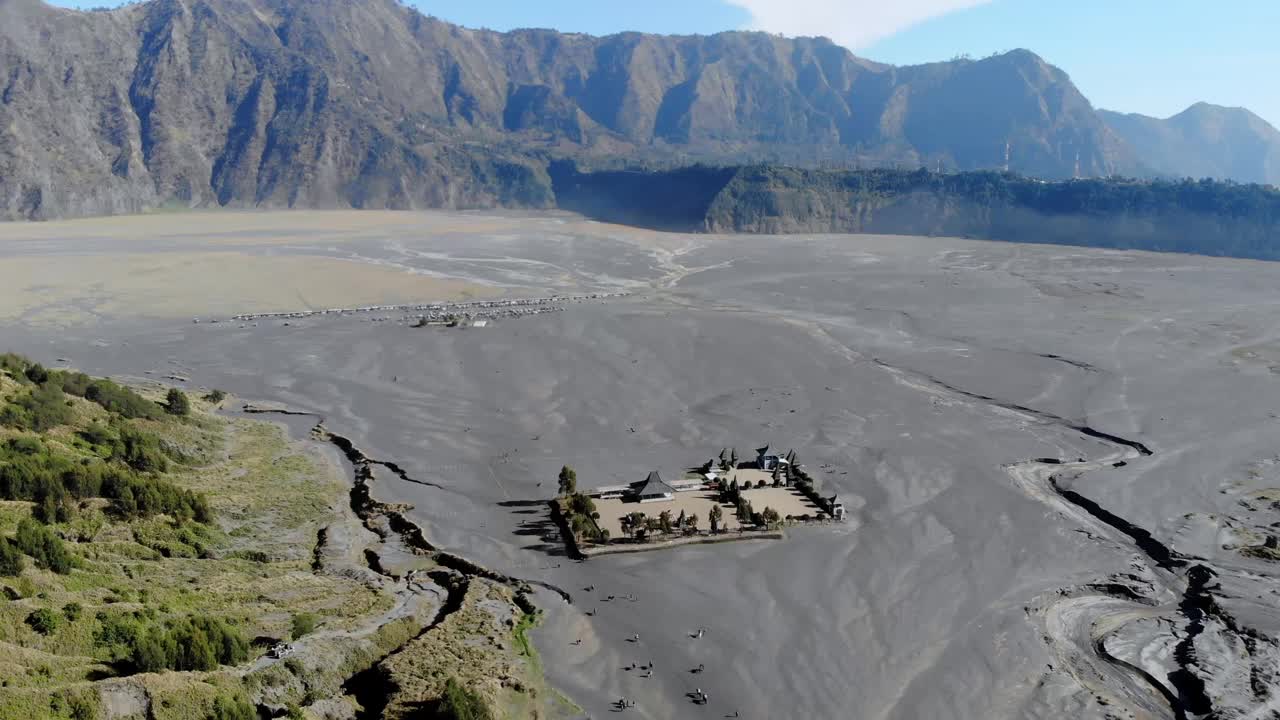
point(1003, 423)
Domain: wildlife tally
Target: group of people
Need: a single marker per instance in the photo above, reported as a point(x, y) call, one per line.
point(698, 696)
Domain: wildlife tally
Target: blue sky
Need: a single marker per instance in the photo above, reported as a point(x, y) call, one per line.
point(1150, 56)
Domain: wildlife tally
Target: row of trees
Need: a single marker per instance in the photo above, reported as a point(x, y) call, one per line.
point(730, 492)
point(579, 509)
point(639, 525)
point(187, 643)
point(33, 471)
point(115, 398)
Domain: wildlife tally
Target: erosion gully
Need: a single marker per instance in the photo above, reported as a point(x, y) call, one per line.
point(457, 572)
point(1190, 580)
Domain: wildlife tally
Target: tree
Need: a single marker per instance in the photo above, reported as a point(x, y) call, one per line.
point(691, 523)
point(568, 480)
point(733, 457)
point(664, 522)
point(715, 516)
point(770, 517)
point(639, 524)
point(680, 521)
point(176, 403)
point(582, 504)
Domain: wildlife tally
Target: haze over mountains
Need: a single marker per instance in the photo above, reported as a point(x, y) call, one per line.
point(1204, 141)
point(368, 103)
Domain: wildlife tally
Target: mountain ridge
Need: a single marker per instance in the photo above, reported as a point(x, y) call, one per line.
point(369, 103)
point(1205, 140)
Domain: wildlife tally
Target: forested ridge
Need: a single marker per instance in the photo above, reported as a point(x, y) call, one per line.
point(1196, 216)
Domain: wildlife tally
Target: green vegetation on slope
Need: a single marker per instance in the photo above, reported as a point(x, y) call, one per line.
point(162, 601)
point(134, 540)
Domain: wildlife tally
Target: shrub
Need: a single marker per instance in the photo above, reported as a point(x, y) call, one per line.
point(227, 707)
point(36, 373)
point(72, 611)
point(121, 400)
point(10, 558)
point(43, 408)
point(216, 397)
point(459, 703)
point(15, 366)
point(116, 634)
point(176, 403)
point(192, 643)
point(104, 440)
point(74, 383)
point(44, 546)
point(141, 450)
point(43, 621)
point(303, 624)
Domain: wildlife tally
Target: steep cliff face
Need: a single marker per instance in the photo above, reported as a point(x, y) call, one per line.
point(368, 103)
point(220, 103)
point(1204, 141)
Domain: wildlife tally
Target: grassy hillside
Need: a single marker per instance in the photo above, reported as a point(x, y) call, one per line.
point(150, 557)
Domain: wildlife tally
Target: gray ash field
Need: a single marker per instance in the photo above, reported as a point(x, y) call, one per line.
point(1061, 465)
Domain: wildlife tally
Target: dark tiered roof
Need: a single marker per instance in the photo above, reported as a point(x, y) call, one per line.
point(652, 485)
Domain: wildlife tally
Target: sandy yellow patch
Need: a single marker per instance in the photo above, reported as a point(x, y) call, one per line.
point(67, 290)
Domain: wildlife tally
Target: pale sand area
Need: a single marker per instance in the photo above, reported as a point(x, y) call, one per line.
point(234, 227)
point(69, 290)
point(699, 502)
point(692, 502)
point(217, 264)
point(787, 501)
point(292, 227)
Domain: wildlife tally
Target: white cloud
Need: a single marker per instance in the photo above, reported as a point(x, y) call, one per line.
point(852, 23)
